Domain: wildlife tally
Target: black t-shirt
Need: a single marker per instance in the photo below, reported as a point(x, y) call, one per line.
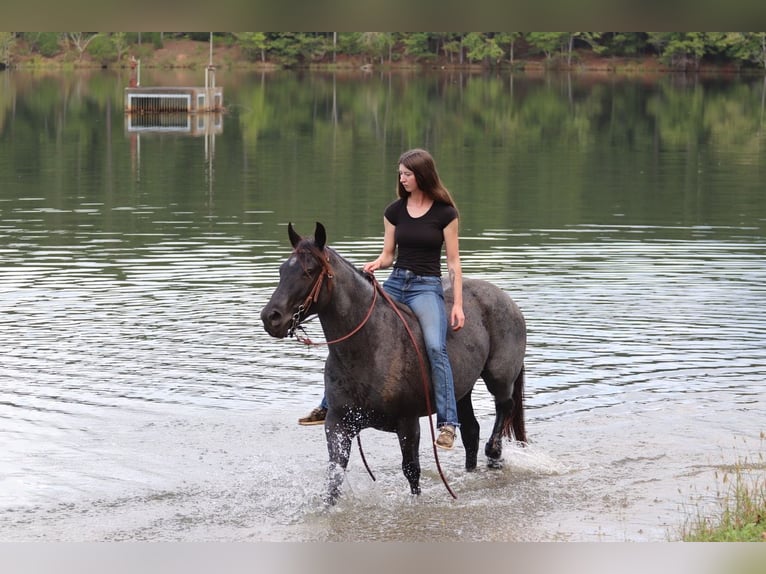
point(419, 240)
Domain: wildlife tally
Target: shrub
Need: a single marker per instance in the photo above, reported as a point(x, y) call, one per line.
point(47, 44)
point(103, 50)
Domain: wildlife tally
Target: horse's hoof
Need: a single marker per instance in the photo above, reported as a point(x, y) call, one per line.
point(415, 490)
point(493, 449)
point(331, 498)
point(495, 463)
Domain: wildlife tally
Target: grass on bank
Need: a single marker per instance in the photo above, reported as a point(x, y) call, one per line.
point(741, 505)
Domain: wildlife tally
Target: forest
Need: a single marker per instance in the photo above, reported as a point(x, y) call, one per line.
point(674, 51)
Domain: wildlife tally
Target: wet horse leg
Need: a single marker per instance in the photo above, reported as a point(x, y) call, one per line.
point(408, 433)
point(494, 447)
point(339, 438)
point(509, 422)
point(502, 389)
point(469, 431)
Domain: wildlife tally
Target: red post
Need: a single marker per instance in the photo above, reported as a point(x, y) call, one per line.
point(133, 80)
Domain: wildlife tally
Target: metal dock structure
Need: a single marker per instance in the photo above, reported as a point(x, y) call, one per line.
point(159, 100)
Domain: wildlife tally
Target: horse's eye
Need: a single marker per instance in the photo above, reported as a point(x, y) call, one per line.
point(312, 272)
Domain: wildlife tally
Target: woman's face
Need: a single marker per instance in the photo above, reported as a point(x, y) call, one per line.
point(407, 178)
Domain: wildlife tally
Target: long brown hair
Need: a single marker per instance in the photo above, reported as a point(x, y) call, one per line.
point(423, 166)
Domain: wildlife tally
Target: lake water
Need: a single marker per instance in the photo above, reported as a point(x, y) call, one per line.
point(141, 399)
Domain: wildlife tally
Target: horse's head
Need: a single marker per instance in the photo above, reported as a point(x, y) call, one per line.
point(301, 278)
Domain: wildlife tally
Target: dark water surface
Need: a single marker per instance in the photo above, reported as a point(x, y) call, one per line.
point(140, 398)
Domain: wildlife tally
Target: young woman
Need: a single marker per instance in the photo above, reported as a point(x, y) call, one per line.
point(416, 226)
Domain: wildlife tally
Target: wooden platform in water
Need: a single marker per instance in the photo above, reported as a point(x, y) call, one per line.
point(191, 100)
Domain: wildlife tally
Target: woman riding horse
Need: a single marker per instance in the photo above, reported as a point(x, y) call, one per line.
point(417, 224)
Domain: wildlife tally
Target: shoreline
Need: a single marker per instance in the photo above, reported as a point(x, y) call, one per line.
point(192, 55)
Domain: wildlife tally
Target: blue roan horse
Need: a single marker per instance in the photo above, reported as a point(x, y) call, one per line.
point(373, 376)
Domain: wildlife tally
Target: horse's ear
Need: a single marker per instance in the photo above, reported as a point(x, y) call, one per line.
point(320, 236)
point(294, 237)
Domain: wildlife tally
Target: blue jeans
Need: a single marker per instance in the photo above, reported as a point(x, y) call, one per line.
point(425, 296)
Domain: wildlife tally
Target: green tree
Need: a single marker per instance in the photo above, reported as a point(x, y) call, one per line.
point(109, 48)
point(103, 50)
point(46, 44)
point(474, 46)
point(378, 44)
point(417, 44)
point(121, 45)
point(748, 47)
point(679, 49)
point(293, 47)
point(482, 47)
point(622, 43)
point(253, 44)
point(508, 39)
point(453, 45)
point(349, 43)
point(548, 42)
point(593, 39)
point(7, 41)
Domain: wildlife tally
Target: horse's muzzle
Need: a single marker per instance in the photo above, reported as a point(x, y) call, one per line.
point(275, 322)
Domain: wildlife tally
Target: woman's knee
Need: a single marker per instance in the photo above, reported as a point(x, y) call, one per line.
point(438, 349)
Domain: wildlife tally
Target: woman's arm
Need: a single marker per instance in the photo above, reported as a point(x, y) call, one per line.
point(457, 317)
point(386, 257)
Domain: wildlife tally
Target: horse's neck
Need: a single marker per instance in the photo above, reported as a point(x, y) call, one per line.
point(350, 299)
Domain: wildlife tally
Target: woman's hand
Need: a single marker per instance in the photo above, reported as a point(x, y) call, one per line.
point(457, 319)
point(372, 266)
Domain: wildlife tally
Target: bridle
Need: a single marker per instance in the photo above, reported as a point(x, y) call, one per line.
point(302, 310)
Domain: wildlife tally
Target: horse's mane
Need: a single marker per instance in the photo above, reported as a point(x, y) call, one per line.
point(307, 244)
point(341, 259)
point(336, 259)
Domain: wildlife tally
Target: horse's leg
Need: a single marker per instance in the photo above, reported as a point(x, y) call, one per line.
point(339, 438)
point(503, 413)
point(494, 447)
point(408, 432)
point(509, 419)
point(469, 431)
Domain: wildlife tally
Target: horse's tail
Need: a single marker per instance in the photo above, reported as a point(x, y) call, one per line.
point(513, 426)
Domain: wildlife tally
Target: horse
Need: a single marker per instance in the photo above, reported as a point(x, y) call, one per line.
point(372, 376)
